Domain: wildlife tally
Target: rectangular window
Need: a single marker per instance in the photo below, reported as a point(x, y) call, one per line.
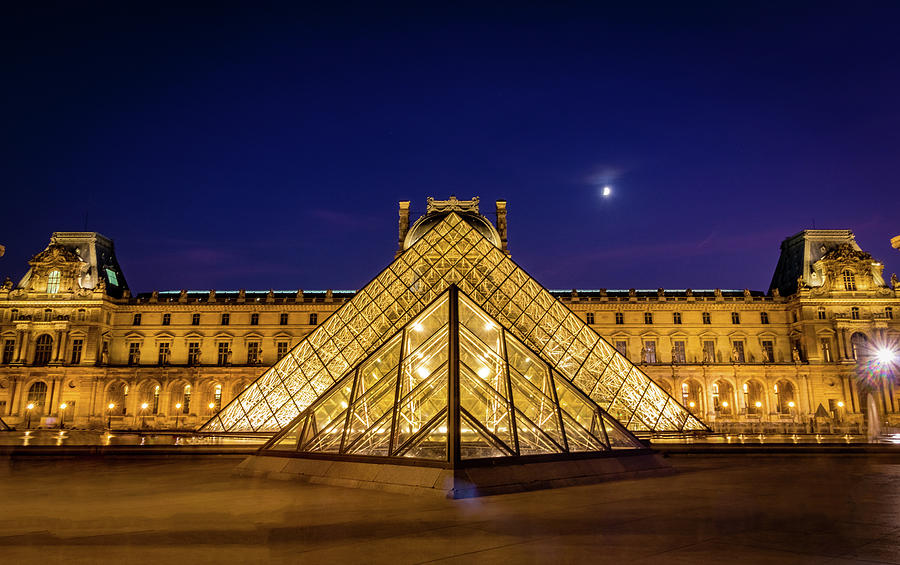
point(854, 313)
point(167, 319)
point(735, 318)
point(281, 348)
point(195, 320)
point(254, 319)
point(589, 317)
point(283, 320)
point(193, 353)
point(737, 355)
point(136, 320)
point(648, 317)
point(709, 351)
point(676, 317)
point(253, 353)
point(620, 318)
point(649, 352)
point(164, 351)
point(888, 312)
point(763, 317)
point(707, 319)
point(9, 348)
point(226, 318)
point(821, 313)
point(768, 351)
point(622, 347)
point(313, 319)
point(134, 353)
point(224, 351)
point(826, 350)
point(77, 346)
point(678, 352)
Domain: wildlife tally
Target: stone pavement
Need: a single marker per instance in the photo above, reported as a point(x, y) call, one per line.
point(730, 509)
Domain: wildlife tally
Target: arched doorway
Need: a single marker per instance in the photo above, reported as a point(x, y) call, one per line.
point(754, 397)
point(116, 398)
point(785, 397)
point(723, 397)
point(43, 349)
point(859, 345)
point(37, 397)
point(692, 396)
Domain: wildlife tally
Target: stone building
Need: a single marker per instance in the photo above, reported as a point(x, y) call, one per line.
point(78, 346)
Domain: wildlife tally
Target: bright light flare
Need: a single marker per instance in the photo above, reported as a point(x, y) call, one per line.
point(606, 191)
point(886, 355)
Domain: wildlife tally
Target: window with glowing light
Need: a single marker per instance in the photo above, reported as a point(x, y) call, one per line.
point(37, 395)
point(849, 280)
point(53, 282)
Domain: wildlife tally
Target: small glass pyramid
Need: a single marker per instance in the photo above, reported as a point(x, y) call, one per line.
point(454, 253)
point(453, 384)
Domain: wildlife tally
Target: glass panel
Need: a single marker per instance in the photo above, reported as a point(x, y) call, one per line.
point(531, 440)
point(532, 397)
point(472, 318)
point(480, 397)
point(618, 437)
point(425, 325)
point(473, 444)
point(289, 440)
point(417, 408)
point(432, 444)
point(328, 438)
point(373, 407)
point(579, 439)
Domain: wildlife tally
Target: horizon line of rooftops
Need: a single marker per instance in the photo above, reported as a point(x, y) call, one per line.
point(344, 293)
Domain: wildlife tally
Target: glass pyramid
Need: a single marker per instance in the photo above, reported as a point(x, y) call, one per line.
point(453, 384)
point(452, 253)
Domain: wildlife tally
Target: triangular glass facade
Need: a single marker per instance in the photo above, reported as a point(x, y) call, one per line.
point(453, 363)
point(454, 253)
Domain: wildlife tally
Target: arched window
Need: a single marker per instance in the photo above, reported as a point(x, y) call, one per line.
point(754, 397)
point(155, 403)
point(116, 397)
point(43, 349)
point(53, 282)
point(723, 397)
point(37, 395)
point(186, 400)
point(849, 280)
point(784, 397)
point(858, 345)
point(692, 395)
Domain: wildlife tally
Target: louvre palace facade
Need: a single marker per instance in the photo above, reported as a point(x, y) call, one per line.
point(80, 349)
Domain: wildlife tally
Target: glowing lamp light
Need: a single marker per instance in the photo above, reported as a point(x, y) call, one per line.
point(144, 406)
point(418, 327)
point(63, 406)
point(422, 372)
point(343, 404)
point(30, 406)
point(886, 355)
point(606, 191)
point(484, 372)
point(111, 405)
point(791, 404)
point(840, 404)
point(212, 405)
point(488, 326)
point(691, 404)
point(178, 406)
point(725, 404)
point(758, 404)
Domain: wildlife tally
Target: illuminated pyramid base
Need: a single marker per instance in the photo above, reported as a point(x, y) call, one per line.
point(482, 478)
point(453, 403)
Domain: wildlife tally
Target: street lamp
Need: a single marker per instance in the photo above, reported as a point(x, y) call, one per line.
point(212, 406)
point(30, 407)
point(109, 408)
point(62, 414)
point(177, 413)
point(143, 409)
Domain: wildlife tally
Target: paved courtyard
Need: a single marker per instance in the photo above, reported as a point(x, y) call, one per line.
point(751, 509)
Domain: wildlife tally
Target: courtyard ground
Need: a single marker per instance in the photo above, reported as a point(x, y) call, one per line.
point(718, 509)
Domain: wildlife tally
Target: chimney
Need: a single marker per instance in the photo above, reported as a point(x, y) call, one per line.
point(501, 224)
point(404, 225)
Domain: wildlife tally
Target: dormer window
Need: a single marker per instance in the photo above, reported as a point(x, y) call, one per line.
point(53, 282)
point(849, 280)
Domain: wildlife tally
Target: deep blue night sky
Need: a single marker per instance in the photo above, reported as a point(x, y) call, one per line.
point(266, 145)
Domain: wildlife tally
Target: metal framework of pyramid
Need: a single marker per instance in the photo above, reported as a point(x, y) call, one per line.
point(453, 253)
point(452, 385)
